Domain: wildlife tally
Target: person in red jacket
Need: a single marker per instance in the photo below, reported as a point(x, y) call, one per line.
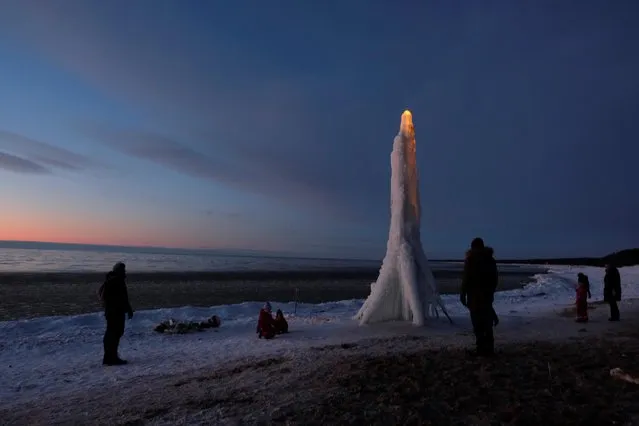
point(583, 293)
point(265, 323)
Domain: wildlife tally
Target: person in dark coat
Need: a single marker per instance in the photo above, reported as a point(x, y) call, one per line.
point(479, 283)
point(116, 307)
point(281, 325)
point(612, 291)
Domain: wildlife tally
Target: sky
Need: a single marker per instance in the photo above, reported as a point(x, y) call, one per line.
point(269, 125)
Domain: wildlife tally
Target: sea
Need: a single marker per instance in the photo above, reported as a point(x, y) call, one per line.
point(32, 257)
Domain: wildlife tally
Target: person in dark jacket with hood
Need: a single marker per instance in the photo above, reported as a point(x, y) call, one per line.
point(116, 307)
point(281, 325)
point(479, 283)
point(612, 291)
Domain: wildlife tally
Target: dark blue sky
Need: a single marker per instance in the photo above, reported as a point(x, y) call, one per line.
point(269, 125)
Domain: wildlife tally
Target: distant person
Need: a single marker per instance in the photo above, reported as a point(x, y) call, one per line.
point(582, 296)
point(115, 297)
point(479, 283)
point(586, 282)
point(281, 325)
point(265, 323)
point(612, 291)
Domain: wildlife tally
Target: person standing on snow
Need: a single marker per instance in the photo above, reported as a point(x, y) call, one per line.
point(612, 290)
point(582, 296)
point(479, 283)
point(116, 306)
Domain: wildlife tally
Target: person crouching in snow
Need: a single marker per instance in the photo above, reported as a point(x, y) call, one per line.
point(265, 323)
point(281, 325)
point(583, 293)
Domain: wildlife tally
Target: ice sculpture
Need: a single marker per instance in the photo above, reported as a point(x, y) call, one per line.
point(405, 288)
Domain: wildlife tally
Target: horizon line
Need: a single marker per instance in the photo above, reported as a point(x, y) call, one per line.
point(243, 252)
point(247, 252)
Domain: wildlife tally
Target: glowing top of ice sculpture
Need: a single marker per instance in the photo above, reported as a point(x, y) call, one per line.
point(407, 123)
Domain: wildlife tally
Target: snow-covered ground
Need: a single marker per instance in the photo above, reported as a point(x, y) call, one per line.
point(62, 354)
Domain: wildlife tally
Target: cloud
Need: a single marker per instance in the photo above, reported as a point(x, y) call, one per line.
point(224, 214)
point(16, 164)
point(152, 63)
point(41, 153)
point(166, 152)
point(264, 125)
point(257, 175)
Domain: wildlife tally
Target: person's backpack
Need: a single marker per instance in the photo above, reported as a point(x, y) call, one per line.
point(101, 292)
point(102, 288)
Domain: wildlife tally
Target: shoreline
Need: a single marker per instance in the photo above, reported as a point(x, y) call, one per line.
point(17, 277)
point(27, 296)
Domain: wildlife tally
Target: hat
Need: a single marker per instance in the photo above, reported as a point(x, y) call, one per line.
point(477, 243)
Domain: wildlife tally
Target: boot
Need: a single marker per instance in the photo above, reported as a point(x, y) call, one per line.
point(485, 346)
point(489, 344)
point(116, 358)
point(111, 354)
point(108, 357)
point(477, 350)
point(488, 351)
point(116, 361)
point(112, 358)
point(108, 353)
